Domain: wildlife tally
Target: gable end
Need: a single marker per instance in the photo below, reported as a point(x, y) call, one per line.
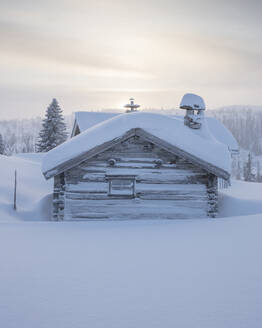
point(147, 136)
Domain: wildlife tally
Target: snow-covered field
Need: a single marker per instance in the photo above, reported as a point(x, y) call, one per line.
point(33, 191)
point(182, 273)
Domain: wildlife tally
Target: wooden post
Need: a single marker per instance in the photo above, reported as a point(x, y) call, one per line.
point(15, 187)
point(212, 195)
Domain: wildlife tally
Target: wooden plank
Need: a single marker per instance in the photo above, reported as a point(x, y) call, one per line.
point(143, 176)
point(96, 191)
point(145, 196)
point(134, 203)
point(133, 165)
point(87, 187)
point(97, 187)
point(172, 197)
point(134, 170)
point(178, 209)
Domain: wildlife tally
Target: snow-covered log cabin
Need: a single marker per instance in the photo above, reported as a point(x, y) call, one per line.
point(138, 165)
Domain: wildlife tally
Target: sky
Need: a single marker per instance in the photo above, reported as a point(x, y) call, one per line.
point(94, 55)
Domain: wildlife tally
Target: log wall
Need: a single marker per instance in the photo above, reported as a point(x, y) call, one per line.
point(166, 186)
point(59, 197)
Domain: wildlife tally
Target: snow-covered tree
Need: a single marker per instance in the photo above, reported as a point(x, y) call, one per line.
point(2, 146)
point(53, 131)
point(248, 173)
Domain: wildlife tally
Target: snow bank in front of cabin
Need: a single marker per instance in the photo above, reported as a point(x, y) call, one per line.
point(199, 143)
point(33, 191)
point(143, 274)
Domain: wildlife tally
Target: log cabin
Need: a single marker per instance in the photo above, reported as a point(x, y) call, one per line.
point(138, 165)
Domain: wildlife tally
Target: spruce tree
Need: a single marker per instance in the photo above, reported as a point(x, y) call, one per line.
point(2, 146)
point(53, 131)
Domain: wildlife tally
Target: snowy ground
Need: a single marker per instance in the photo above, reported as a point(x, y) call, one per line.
point(33, 191)
point(193, 273)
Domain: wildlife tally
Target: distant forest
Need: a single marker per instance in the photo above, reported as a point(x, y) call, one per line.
point(245, 123)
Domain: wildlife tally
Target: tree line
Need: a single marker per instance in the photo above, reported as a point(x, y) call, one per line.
point(40, 135)
point(245, 123)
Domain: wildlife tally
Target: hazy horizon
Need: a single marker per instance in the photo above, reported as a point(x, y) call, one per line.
point(96, 55)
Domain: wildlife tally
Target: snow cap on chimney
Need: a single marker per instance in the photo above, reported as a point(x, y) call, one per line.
point(193, 102)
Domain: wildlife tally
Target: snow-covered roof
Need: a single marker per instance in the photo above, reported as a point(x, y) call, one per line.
point(219, 131)
point(199, 143)
point(222, 134)
point(85, 120)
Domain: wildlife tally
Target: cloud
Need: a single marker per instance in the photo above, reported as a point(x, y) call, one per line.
point(21, 40)
point(119, 47)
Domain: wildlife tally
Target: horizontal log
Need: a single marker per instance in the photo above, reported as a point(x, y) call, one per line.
point(133, 205)
point(142, 216)
point(172, 197)
point(95, 166)
point(148, 196)
point(168, 168)
point(97, 187)
point(150, 213)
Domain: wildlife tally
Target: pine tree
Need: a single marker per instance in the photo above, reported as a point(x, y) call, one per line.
point(2, 146)
point(53, 131)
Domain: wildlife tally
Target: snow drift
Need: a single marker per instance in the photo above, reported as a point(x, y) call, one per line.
point(31, 188)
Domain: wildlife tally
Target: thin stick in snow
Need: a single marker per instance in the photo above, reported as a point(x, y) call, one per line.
point(15, 187)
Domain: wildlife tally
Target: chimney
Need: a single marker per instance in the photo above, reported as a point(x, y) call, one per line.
point(194, 106)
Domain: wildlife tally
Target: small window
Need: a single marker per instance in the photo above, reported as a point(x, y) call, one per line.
point(121, 185)
point(148, 147)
